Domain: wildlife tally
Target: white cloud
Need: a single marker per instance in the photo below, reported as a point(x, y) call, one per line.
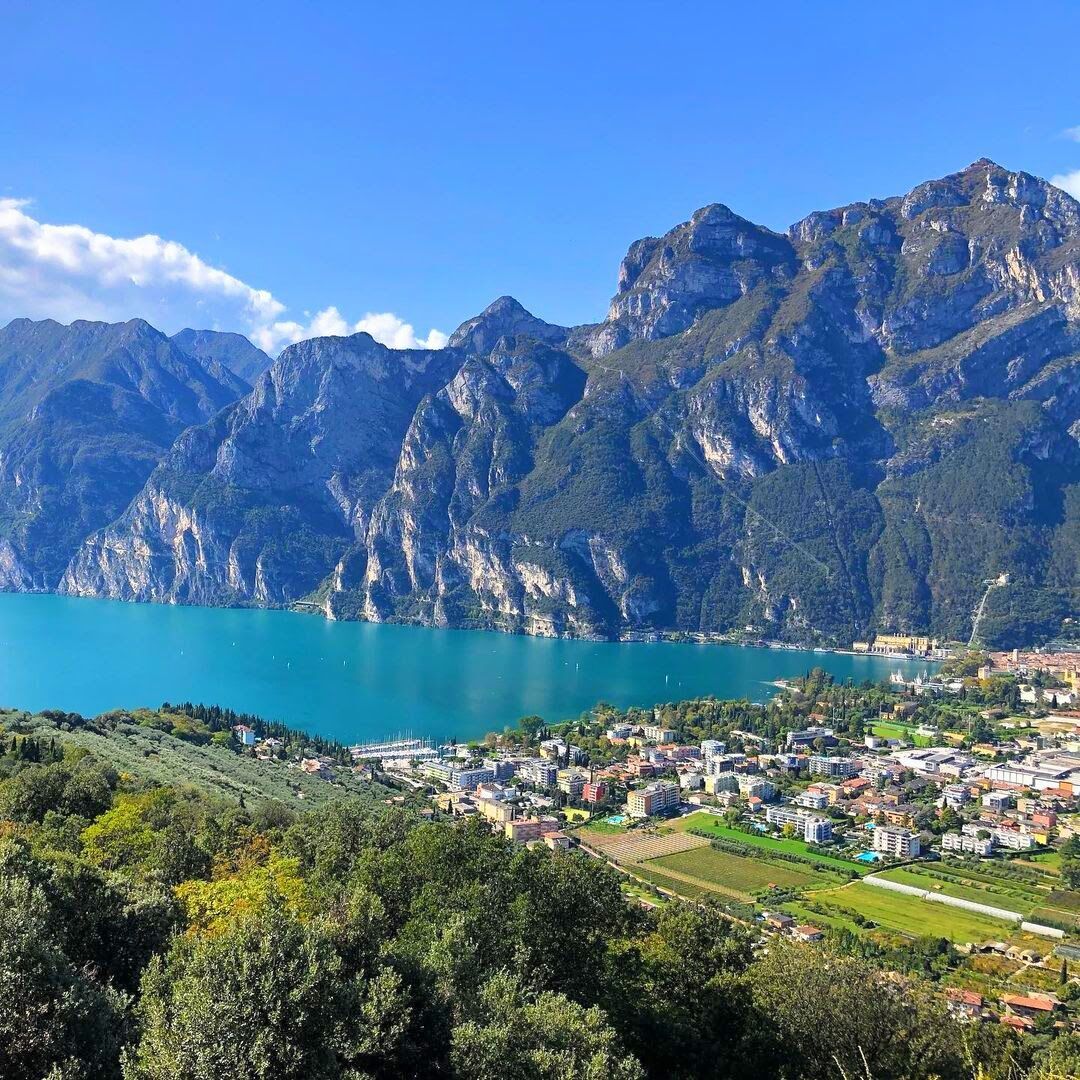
point(1069, 182)
point(68, 272)
point(384, 326)
point(1072, 133)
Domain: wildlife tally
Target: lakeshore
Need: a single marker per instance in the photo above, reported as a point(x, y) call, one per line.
point(356, 681)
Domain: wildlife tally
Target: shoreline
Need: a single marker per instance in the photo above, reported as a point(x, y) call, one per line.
point(359, 681)
point(628, 636)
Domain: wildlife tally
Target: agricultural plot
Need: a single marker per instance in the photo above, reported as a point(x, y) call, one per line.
point(912, 915)
point(732, 874)
point(1035, 892)
point(638, 846)
point(688, 890)
point(690, 866)
point(711, 824)
point(978, 894)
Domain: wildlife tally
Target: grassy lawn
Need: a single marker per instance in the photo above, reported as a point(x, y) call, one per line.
point(912, 915)
point(920, 880)
point(711, 824)
point(887, 730)
point(604, 828)
point(733, 873)
point(1049, 862)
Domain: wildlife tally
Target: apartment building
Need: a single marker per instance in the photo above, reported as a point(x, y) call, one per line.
point(539, 772)
point(837, 768)
point(572, 782)
point(658, 734)
point(654, 799)
point(754, 787)
point(968, 845)
point(814, 828)
point(594, 793)
point(898, 842)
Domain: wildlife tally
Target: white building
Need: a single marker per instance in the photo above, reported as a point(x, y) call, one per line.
point(659, 734)
point(971, 845)
point(900, 843)
point(814, 828)
point(840, 768)
point(245, 735)
point(716, 783)
point(753, 787)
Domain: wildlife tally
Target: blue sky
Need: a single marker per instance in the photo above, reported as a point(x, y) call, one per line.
point(422, 159)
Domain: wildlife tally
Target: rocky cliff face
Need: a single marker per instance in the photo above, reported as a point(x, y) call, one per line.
point(258, 505)
point(86, 412)
point(846, 427)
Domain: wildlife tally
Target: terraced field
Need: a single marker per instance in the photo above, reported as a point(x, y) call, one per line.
point(638, 846)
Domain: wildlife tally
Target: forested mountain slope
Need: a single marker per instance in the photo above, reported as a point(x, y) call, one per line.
point(844, 428)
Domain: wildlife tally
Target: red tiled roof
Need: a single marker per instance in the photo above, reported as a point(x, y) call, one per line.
point(965, 997)
point(1020, 1002)
point(1017, 1022)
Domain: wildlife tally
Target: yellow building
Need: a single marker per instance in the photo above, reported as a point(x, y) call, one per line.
point(916, 644)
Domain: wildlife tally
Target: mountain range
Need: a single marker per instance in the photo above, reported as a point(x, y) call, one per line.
point(845, 428)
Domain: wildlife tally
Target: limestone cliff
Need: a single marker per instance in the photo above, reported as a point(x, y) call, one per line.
point(845, 427)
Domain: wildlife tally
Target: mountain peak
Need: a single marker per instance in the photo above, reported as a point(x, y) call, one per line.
point(232, 351)
point(504, 317)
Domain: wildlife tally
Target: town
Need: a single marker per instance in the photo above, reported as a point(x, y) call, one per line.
point(943, 806)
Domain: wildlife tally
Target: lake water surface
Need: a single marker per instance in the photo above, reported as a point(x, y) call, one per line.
point(356, 681)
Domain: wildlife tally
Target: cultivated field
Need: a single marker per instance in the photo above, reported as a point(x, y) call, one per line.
point(732, 874)
point(714, 826)
point(980, 894)
point(638, 846)
point(912, 915)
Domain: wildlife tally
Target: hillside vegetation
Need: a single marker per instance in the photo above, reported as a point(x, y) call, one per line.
point(154, 931)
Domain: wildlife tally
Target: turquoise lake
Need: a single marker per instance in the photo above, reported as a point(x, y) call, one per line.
point(356, 681)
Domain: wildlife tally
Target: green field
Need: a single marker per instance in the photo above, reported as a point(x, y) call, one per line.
point(685, 889)
point(732, 873)
point(711, 824)
point(888, 730)
point(920, 880)
point(1049, 862)
point(912, 915)
point(1065, 900)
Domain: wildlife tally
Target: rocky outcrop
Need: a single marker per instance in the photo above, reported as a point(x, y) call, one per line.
point(844, 428)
